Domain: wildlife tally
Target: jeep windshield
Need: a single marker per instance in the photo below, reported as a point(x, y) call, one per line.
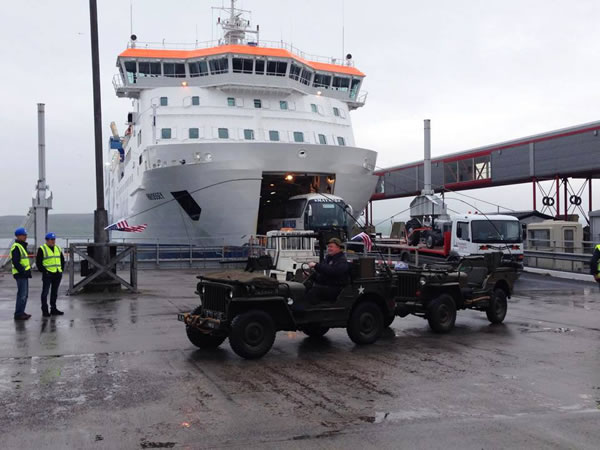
point(496, 231)
point(323, 214)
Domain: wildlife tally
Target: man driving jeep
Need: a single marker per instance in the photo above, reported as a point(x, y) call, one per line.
point(331, 275)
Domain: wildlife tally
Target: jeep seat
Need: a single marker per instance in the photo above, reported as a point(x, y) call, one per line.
point(292, 289)
point(476, 276)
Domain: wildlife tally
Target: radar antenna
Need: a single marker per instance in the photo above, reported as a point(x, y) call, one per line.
point(236, 26)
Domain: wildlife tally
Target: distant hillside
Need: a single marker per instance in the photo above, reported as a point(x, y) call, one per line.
point(68, 225)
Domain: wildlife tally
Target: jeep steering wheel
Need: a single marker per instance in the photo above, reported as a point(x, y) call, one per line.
point(306, 270)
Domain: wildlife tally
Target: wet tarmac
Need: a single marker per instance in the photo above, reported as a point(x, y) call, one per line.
point(118, 372)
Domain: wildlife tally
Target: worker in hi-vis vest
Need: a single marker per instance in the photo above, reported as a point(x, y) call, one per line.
point(595, 264)
point(51, 262)
point(21, 270)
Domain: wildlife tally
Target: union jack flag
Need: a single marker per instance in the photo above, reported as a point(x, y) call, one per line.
point(122, 225)
point(365, 238)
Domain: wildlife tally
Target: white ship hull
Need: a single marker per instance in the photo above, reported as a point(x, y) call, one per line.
point(224, 179)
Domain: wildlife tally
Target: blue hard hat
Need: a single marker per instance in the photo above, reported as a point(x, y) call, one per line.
point(50, 236)
point(20, 232)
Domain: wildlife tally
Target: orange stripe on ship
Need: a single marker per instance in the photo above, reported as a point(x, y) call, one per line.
point(240, 49)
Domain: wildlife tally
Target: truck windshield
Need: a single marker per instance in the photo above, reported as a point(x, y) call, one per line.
point(326, 214)
point(294, 208)
point(489, 231)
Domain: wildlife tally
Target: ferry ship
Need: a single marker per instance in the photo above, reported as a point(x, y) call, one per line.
point(222, 133)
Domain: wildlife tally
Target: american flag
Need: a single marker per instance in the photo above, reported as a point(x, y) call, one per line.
point(122, 225)
point(365, 238)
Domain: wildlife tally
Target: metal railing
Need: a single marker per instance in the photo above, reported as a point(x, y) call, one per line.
point(566, 256)
point(164, 45)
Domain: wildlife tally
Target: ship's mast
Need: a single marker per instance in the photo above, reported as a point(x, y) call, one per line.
point(236, 27)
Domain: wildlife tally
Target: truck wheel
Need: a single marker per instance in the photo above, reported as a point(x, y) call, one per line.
point(365, 324)
point(496, 312)
point(315, 331)
point(252, 334)
point(441, 313)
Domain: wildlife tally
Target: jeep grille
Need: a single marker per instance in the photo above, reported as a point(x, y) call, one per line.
point(408, 285)
point(215, 298)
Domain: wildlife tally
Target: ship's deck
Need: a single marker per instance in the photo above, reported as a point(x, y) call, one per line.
point(117, 371)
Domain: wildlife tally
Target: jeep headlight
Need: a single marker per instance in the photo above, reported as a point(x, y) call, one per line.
point(422, 281)
point(203, 290)
point(230, 294)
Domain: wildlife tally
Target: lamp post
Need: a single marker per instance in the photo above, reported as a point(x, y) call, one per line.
point(100, 214)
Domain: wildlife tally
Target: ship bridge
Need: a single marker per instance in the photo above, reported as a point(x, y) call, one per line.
point(276, 67)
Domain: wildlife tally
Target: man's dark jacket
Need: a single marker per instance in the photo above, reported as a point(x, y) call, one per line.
point(334, 271)
point(15, 255)
point(594, 262)
point(39, 262)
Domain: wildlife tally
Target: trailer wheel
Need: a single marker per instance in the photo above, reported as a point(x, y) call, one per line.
point(441, 314)
point(365, 324)
point(315, 331)
point(496, 312)
point(252, 334)
point(202, 340)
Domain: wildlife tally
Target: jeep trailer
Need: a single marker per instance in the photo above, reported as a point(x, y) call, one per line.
point(250, 309)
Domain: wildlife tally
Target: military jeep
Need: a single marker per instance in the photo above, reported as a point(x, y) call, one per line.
point(250, 309)
point(436, 292)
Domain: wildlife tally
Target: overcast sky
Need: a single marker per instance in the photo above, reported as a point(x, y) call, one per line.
point(483, 72)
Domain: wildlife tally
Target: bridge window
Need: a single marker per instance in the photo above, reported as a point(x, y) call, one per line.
point(274, 135)
point(298, 136)
point(276, 68)
point(341, 141)
point(131, 71)
point(165, 133)
point(242, 65)
point(249, 135)
point(322, 139)
point(194, 133)
point(149, 69)
point(354, 88)
point(469, 169)
point(295, 71)
point(174, 70)
point(198, 68)
point(322, 80)
point(223, 133)
point(219, 65)
point(341, 83)
point(482, 167)
point(305, 77)
point(259, 67)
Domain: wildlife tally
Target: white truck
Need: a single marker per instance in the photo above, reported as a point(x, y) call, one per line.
point(288, 251)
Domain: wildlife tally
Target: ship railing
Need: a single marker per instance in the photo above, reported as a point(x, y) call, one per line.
point(164, 45)
point(117, 82)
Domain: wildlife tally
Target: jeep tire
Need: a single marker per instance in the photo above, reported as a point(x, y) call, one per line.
point(252, 334)
point(496, 312)
point(200, 339)
point(365, 324)
point(441, 313)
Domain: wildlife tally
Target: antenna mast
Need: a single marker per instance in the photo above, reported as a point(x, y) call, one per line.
point(236, 27)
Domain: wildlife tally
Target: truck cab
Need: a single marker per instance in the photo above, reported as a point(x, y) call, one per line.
point(288, 251)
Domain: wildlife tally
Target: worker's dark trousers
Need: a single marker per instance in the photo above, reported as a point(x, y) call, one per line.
point(50, 282)
point(320, 293)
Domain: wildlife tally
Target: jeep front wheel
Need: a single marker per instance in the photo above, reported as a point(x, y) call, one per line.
point(252, 334)
point(496, 312)
point(365, 324)
point(441, 313)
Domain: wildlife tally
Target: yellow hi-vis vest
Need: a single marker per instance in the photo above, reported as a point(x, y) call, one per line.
point(24, 258)
point(51, 261)
point(598, 248)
